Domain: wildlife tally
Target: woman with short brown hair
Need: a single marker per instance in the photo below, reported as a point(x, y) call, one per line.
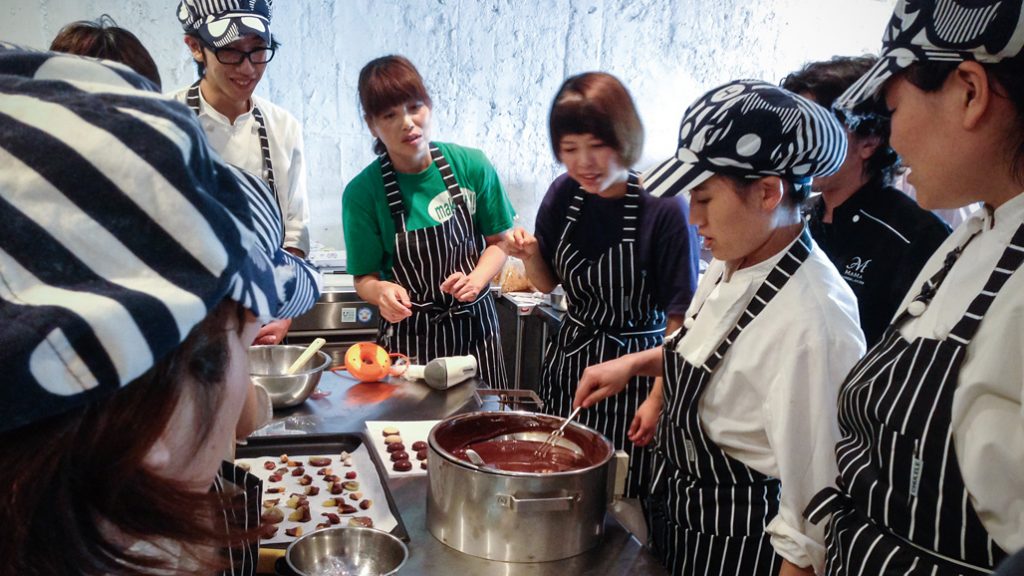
point(627, 260)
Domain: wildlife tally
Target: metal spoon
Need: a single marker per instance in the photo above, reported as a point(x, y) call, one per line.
point(474, 457)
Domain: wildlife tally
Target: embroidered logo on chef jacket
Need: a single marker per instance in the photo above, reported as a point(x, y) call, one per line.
point(441, 207)
point(855, 270)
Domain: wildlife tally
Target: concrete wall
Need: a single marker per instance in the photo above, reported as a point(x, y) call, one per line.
point(492, 65)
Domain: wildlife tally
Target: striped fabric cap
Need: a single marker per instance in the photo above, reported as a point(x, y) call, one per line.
point(941, 31)
point(750, 129)
point(121, 231)
point(221, 22)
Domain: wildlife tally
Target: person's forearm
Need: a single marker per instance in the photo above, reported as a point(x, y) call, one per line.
point(646, 363)
point(539, 273)
point(490, 263)
point(368, 288)
point(790, 569)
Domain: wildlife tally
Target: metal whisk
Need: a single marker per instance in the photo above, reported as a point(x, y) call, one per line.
point(552, 438)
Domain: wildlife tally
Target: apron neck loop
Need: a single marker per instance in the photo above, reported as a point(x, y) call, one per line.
point(773, 283)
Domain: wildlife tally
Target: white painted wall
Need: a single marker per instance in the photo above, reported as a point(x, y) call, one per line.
point(492, 66)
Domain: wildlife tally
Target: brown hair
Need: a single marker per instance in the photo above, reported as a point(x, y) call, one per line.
point(103, 39)
point(77, 484)
point(597, 103)
point(1008, 75)
point(825, 81)
point(387, 82)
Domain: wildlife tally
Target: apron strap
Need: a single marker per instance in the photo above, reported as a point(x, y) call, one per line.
point(1009, 262)
point(192, 101)
point(630, 214)
point(631, 211)
point(777, 278)
point(394, 194)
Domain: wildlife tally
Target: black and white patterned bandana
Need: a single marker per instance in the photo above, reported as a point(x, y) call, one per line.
point(751, 129)
point(221, 22)
point(941, 31)
point(122, 230)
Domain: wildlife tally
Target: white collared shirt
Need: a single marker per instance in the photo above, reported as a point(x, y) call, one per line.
point(988, 422)
point(239, 144)
point(772, 402)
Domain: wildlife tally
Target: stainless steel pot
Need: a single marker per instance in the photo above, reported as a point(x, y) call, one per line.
point(516, 516)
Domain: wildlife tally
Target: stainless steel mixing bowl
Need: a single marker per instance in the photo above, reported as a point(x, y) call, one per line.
point(267, 366)
point(347, 550)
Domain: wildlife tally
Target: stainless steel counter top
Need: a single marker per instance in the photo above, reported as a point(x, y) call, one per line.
point(351, 403)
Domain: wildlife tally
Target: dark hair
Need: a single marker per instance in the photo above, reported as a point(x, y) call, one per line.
point(201, 64)
point(597, 103)
point(75, 483)
point(827, 80)
point(1009, 83)
point(793, 192)
point(387, 82)
point(104, 39)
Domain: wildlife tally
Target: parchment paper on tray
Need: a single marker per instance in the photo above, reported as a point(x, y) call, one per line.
point(369, 488)
point(411, 431)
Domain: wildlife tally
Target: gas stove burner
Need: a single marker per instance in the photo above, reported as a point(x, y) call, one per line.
point(509, 400)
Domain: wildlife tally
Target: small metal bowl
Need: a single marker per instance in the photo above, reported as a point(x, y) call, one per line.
point(347, 550)
point(267, 366)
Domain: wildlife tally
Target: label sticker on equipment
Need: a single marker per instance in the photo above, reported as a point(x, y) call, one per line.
point(365, 314)
point(348, 314)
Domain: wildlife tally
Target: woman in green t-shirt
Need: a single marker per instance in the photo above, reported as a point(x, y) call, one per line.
point(423, 225)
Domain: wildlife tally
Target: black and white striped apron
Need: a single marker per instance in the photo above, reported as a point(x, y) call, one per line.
point(242, 494)
point(192, 101)
point(708, 509)
point(612, 312)
point(440, 325)
point(901, 506)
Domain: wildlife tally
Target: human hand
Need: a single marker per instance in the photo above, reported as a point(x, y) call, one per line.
point(645, 422)
point(520, 243)
point(462, 287)
point(393, 302)
point(601, 381)
point(273, 332)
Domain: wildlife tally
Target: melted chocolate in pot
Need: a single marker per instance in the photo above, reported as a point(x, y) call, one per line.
point(518, 456)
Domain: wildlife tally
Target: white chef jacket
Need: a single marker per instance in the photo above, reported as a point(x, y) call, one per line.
point(239, 144)
point(988, 423)
point(772, 401)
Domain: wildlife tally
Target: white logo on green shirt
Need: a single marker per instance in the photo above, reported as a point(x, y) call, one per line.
point(441, 207)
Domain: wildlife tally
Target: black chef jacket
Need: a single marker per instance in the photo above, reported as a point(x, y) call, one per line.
point(879, 239)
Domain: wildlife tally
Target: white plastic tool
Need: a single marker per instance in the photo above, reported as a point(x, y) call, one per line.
point(313, 348)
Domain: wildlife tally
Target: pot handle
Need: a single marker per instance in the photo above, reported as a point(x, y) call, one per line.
point(557, 504)
point(617, 475)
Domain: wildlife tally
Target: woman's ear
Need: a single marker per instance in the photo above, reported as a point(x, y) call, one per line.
point(974, 94)
point(158, 458)
point(195, 47)
point(770, 191)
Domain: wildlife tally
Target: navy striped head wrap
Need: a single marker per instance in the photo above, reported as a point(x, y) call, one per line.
point(941, 31)
point(751, 129)
point(121, 231)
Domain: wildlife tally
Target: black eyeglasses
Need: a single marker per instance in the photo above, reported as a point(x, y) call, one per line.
point(232, 56)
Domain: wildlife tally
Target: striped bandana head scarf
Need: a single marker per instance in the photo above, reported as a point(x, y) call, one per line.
point(121, 231)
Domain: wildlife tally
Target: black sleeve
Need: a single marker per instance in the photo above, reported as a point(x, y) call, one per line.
point(550, 219)
point(674, 255)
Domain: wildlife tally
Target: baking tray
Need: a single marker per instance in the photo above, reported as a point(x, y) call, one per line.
point(307, 444)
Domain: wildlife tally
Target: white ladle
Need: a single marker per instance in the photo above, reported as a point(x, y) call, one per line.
point(313, 348)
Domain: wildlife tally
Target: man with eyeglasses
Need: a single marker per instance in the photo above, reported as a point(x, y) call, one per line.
point(231, 43)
